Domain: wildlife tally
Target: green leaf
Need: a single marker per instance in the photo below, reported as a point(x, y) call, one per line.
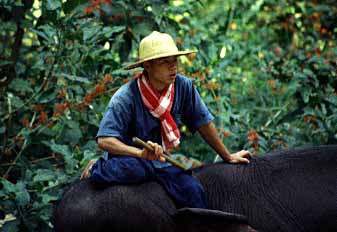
point(7, 186)
point(305, 95)
point(324, 111)
point(64, 150)
point(108, 31)
point(61, 149)
point(21, 85)
point(121, 72)
point(315, 59)
point(14, 100)
point(22, 195)
point(71, 163)
point(2, 193)
point(57, 148)
point(53, 4)
point(90, 33)
point(122, 3)
point(40, 33)
point(47, 32)
point(5, 62)
point(47, 96)
point(72, 134)
point(68, 6)
point(48, 131)
point(46, 199)
point(74, 78)
point(11, 226)
point(43, 175)
point(26, 133)
point(88, 155)
point(142, 29)
point(90, 145)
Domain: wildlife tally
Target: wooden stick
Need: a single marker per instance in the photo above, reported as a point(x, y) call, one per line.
point(140, 142)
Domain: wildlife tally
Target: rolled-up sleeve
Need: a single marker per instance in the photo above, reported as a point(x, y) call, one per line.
point(116, 119)
point(195, 111)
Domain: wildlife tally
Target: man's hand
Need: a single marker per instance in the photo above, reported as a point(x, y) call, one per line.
point(210, 135)
point(241, 157)
point(87, 169)
point(156, 153)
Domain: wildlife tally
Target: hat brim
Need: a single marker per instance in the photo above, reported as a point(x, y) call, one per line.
point(139, 63)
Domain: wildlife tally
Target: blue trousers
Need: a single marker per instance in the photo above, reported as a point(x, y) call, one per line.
point(183, 188)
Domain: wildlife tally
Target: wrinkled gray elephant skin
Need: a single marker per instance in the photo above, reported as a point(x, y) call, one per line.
point(290, 190)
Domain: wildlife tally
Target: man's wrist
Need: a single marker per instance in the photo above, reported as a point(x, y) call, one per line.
point(137, 152)
point(226, 156)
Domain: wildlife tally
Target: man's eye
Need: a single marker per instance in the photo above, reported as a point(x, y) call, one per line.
point(168, 61)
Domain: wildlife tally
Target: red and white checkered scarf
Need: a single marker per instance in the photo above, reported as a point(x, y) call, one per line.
point(160, 107)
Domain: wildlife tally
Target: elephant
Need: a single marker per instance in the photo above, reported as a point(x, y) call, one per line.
point(286, 190)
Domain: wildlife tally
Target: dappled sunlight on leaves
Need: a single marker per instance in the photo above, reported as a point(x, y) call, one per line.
point(266, 70)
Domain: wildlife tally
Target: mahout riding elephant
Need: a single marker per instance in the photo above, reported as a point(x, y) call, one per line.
point(289, 190)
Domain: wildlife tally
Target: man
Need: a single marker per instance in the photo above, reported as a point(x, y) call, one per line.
point(152, 108)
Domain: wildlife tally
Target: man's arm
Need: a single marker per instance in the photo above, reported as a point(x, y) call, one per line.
point(209, 134)
point(115, 146)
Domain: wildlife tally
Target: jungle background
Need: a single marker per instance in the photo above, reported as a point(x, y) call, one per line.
point(266, 69)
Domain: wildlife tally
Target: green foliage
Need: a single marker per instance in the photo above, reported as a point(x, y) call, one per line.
point(266, 70)
point(278, 67)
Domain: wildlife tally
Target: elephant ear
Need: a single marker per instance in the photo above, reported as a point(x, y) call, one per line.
point(195, 219)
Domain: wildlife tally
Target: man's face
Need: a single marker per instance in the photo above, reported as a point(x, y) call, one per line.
point(162, 71)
